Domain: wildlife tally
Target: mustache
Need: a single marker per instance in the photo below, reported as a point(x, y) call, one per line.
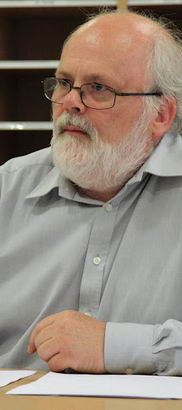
point(67, 119)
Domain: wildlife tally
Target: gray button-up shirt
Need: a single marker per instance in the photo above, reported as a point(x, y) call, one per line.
point(119, 261)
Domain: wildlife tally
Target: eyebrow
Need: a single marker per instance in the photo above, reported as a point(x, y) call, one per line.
point(95, 77)
point(63, 73)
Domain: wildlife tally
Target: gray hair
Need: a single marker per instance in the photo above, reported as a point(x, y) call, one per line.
point(166, 68)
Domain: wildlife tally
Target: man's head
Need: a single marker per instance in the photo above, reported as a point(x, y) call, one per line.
point(99, 149)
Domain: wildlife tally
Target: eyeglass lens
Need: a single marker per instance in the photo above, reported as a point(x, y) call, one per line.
point(92, 95)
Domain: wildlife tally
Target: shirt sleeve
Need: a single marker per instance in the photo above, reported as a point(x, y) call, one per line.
point(144, 349)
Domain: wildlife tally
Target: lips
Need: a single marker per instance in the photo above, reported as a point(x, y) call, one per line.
point(72, 128)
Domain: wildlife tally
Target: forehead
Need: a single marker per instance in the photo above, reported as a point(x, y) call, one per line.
point(113, 50)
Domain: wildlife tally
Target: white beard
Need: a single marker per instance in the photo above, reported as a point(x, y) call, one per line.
point(93, 164)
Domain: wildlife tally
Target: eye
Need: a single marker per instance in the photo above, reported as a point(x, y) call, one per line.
point(64, 83)
point(98, 87)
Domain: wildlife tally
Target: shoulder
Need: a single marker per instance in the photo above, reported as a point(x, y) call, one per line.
point(37, 159)
point(19, 176)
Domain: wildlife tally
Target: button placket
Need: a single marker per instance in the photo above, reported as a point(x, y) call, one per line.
point(97, 253)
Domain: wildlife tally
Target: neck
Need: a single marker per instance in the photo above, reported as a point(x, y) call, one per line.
point(104, 196)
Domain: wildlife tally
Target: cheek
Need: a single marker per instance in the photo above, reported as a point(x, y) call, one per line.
point(110, 126)
point(56, 111)
point(124, 120)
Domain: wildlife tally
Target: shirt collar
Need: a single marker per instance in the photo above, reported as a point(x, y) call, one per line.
point(49, 182)
point(65, 188)
point(166, 160)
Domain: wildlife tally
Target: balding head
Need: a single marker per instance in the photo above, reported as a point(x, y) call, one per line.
point(121, 21)
point(120, 29)
point(125, 38)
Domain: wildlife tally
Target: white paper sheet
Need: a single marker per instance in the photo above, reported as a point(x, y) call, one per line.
point(58, 384)
point(9, 376)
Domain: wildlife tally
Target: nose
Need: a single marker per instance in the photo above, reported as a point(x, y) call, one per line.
point(73, 103)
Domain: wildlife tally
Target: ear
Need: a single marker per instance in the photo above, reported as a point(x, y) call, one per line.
point(164, 118)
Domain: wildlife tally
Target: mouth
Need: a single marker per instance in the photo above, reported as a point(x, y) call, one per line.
point(72, 130)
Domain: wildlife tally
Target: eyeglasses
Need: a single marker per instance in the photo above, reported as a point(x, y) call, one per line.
point(93, 95)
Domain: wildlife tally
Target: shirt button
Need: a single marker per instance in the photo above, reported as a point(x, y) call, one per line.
point(129, 371)
point(108, 207)
point(96, 260)
point(88, 314)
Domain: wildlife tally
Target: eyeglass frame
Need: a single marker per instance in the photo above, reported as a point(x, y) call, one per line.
point(115, 93)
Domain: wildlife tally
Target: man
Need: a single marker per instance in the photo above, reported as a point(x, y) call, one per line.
point(90, 245)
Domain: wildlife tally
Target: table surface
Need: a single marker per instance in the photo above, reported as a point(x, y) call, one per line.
point(78, 403)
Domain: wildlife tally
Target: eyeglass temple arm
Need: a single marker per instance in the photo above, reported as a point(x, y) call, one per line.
point(159, 94)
